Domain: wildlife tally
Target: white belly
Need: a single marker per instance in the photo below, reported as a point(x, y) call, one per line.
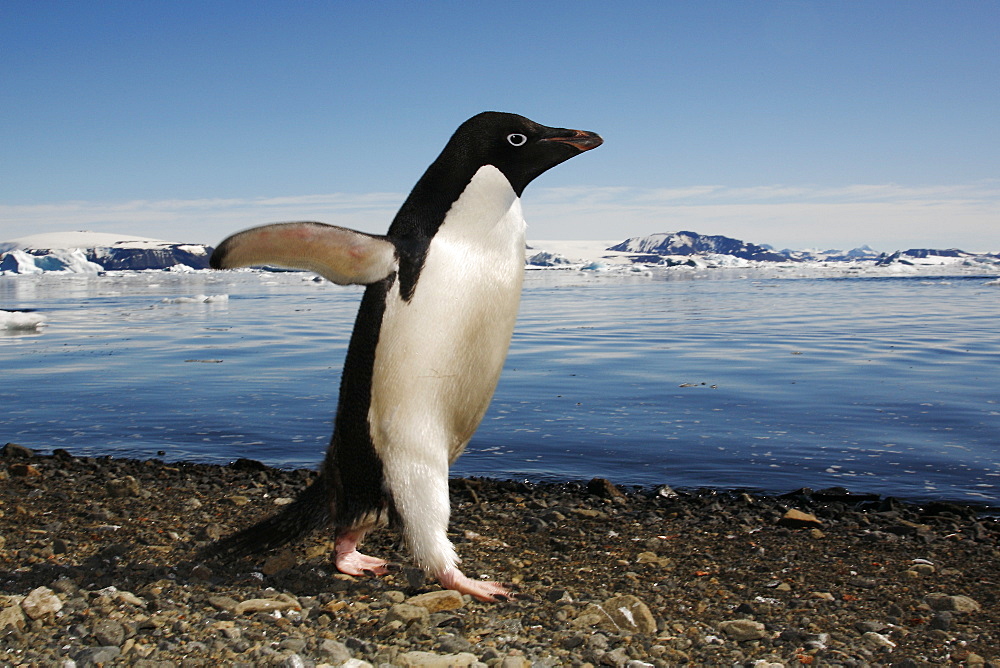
point(439, 356)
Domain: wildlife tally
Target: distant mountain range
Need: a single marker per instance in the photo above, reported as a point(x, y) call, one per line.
point(669, 247)
point(93, 252)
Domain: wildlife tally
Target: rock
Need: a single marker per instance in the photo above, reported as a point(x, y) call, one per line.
point(96, 656)
point(123, 487)
point(130, 599)
point(40, 602)
point(108, 632)
point(15, 451)
point(938, 601)
point(631, 614)
point(431, 660)
point(878, 641)
point(652, 558)
point(294, 644)
point(192, 503)
point(454, 645)
point(515, 661)
point(973, 660)
point(436, 601)
point(11, 615)
point(24, 470)
point(223, 603)
point(355, 663)
point(822, 596)
point(237, 500)
point(265, 605)
point(621, 614)
point(335, 652)
point(743, 629)
point(278, 562)
point(603, 488)
point(941, 621)
point(558, 595)
point(616, 658)
point(408, 614)
point(796, 519)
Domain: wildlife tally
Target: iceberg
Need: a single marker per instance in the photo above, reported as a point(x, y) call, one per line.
point(72, 261)
point(92, 252)
point(22, 322)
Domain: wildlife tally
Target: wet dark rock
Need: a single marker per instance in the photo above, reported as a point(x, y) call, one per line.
point(604, 488)
point(15, 451)
point(941, 621)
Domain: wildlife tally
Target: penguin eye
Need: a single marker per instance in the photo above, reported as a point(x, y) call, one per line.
point(516, 139)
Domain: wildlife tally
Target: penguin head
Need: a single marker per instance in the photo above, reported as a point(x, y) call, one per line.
point(517, 146)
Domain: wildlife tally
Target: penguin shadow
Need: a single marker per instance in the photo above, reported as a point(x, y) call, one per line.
point(309, 570)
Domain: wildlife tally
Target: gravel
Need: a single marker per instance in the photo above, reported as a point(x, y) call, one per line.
point(97, 568)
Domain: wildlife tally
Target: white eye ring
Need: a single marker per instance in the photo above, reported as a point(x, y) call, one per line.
point(516, 139)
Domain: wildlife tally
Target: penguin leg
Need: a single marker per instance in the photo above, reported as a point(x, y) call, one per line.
point(351, 562)
point(419, 487)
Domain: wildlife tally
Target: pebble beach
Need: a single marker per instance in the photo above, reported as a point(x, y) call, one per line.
point(99, 567)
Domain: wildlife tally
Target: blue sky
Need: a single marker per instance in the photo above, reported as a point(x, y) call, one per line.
point(798, 124)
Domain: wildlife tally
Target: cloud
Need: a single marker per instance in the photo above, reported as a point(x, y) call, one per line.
point(887, 216)
point(199, 220)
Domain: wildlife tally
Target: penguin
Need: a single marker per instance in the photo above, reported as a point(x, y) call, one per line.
point(429, 341)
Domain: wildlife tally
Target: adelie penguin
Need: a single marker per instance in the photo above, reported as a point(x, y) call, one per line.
point(428, 345)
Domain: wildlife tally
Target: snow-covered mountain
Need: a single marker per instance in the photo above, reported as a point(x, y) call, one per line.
point(92, 252)
point(833, 255)
point(692, 243)
point(665, 247)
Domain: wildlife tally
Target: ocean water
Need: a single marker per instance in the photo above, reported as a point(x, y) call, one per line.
point(725, 379)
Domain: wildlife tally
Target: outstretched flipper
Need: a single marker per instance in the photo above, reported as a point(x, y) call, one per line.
point(341, 255)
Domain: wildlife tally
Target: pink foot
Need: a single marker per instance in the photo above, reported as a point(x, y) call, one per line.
point(357, 564)
point(483, 590)
point(351, 562)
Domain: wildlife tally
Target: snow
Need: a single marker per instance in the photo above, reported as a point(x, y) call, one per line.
point(70, 261)
point(580, 252)
point(81, 239)
point(194, 250)
point(197, 299)
point(21, 321)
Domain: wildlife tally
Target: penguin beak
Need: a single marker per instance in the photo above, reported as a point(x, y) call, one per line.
point(578, 139)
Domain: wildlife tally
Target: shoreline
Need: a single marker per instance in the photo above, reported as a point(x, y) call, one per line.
point(102, 548)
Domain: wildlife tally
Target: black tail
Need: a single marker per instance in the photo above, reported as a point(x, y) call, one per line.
point(310, 511)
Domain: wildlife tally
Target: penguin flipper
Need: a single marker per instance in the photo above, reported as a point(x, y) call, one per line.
point(341, 255)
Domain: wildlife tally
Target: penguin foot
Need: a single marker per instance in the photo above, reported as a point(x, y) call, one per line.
point(357, 564)
point(483, 590)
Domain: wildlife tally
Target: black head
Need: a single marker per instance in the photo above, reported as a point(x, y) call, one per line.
point(517, 146)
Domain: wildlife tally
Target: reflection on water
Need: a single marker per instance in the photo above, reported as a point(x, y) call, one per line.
point(748, 380)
